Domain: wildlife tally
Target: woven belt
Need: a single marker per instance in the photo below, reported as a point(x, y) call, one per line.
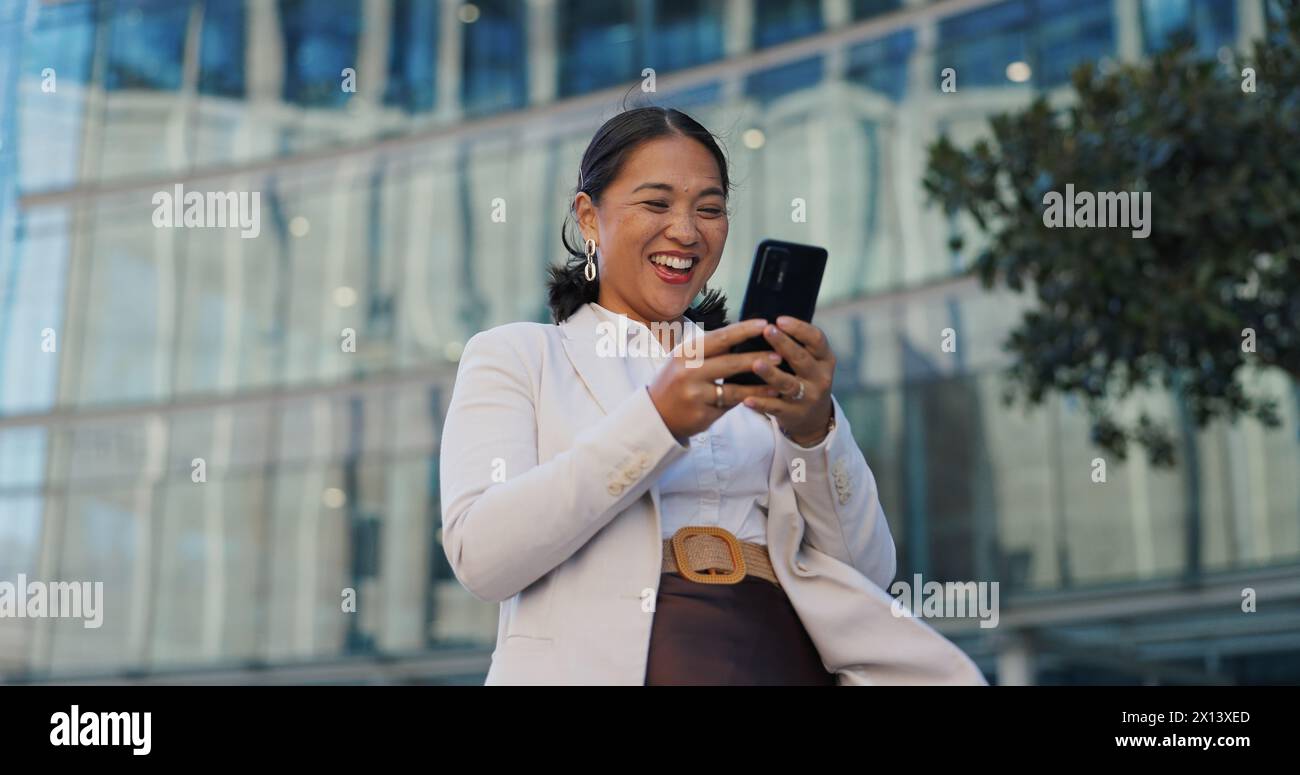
point(710, 549)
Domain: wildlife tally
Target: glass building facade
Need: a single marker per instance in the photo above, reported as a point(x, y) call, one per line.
point(414, 161)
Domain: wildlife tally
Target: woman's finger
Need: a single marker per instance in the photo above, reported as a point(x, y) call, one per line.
point(734, 394)
point(810, 336)
point(772, 406)
point(723, 366)
point(774, 376)
point(799, 358)
point(721, 340)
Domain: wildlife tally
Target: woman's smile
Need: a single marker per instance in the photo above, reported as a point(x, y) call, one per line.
point(673, 266)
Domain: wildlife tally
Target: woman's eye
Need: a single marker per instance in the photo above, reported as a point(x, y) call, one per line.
point(713, 211)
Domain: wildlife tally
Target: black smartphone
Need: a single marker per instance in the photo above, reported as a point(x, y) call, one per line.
point(784, 280)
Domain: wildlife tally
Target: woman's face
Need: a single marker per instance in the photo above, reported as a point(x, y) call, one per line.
point(667, 199)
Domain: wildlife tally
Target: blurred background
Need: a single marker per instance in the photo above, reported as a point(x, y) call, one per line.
point(377, 216)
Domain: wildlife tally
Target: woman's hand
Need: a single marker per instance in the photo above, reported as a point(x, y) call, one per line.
point(684, 390)
point(805, 347)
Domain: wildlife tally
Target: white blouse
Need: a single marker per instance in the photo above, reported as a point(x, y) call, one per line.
point(723, 481)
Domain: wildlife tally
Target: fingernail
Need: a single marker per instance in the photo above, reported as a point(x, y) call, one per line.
point(771, 330)
point(774, 357)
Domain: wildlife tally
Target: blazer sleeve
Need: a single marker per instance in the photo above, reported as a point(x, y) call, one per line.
point(839, 503)
point(508, 520)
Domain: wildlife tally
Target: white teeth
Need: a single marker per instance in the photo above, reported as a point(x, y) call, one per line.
point(673, 261)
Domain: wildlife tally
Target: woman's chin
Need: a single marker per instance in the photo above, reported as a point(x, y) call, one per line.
point(670, 304)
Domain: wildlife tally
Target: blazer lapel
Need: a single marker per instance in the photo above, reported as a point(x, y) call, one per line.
point(606, 377)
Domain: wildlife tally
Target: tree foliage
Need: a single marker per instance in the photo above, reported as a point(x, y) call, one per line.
point(1114, 314)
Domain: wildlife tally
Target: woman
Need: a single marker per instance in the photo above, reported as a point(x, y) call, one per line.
point(761, 553)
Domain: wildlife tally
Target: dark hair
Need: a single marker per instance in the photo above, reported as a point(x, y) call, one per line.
point(567, 287)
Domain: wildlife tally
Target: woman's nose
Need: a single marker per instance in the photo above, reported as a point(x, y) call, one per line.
point(683, 228)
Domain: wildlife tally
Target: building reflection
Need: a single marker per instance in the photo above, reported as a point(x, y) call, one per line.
point(377, 217)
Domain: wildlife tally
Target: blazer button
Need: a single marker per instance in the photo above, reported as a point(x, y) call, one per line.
point(630, 475)
point(614, 488)
point(643, 461)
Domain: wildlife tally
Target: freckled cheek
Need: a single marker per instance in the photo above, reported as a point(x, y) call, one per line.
point(716, 235)
point(637, 232)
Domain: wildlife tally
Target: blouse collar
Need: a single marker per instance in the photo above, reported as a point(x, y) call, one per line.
point(634, 328)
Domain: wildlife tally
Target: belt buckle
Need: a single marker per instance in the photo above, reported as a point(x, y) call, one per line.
point(710, 577)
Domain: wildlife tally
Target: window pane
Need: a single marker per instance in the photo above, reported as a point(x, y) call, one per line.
point(221, 52)
point(413, 56)
point(320, 40)
point(146, 44)
point(494, 76)
point(106, 539)
point(209, 597)
point(1208, 23)
point(20, 552)
point(55, 68)
point(865, 9)
point(32, 308)
point(117, 339)
point(776, 82)
point(1070, 32)
point(685, 33)
point(777, 21)
point(980, 44)
point(881, 65)
point(598, 44)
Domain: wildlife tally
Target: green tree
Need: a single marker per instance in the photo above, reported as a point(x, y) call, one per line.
point(1221, 265)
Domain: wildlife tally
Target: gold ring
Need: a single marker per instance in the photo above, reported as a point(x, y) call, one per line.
point(799, 394)
point(717, 391)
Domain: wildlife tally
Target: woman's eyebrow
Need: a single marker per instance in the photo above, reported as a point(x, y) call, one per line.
point(711, 190)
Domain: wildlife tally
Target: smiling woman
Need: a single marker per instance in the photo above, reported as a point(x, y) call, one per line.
point(621, 203)
point(734, 570)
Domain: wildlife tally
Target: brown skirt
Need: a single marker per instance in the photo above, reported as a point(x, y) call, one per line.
point(744, 634)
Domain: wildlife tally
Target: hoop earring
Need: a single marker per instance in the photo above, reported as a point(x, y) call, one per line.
point(590, 271)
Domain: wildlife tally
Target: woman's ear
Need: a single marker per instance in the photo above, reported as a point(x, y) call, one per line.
point(585, 214)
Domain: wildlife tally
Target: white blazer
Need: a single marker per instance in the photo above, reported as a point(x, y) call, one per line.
point(548, 468)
